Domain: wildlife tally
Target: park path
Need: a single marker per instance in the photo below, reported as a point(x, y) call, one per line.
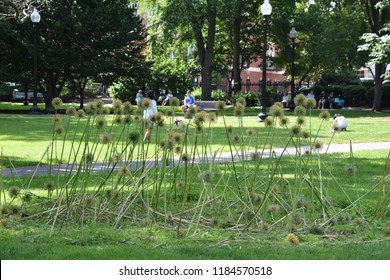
point(221, 157)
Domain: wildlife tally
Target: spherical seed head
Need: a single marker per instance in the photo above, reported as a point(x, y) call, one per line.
point(239, 110)
point(145, 103)
point(123, 171)
point(350, 170)
point(301, 120)
point(324, 115)
point(283, 121)
point(178, 150)
point(91, 108)
point(292, 239)
point(116, 104)
point(117, 157)
point(59, 129)
point(300, 110)
point(198, 128)
point(310, 103)
point(170, 113)
point(279, 104)
point(191, 112)
point(200, 117)
point(177, 137)
point(105, 138)
point(57, 119)
point(88, 157)
point(27, 197)
point(236, 139)
point(174, 101)
point(80, 113)
point(273, 209)
point(305, 134)
point(276, 111)
point(134, 137)
point(56, 102)
point(13, 191)
point(220, 106)
point(99, 105)
point(250, 131)
point(185, 157)
point(106, 110)
point(49, 186)
point(269, 121)
point(299, 100)
point(71, 111)
point(211, 117)
point(318, 145)
point(119, 119)
point(163, 143)
point(229, 129)
point(295, 130)
point(206, 176)
point(100, 122)
point(127, 107)
point(127, 119)
point(241, 100)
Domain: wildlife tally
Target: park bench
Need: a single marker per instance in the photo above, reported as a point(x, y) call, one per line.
point(206, 105)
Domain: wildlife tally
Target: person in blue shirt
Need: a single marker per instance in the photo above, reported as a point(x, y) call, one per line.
point(189, 101)
point(341, 103)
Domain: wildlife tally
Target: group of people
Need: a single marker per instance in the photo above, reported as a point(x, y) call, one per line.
point(331, 101)
point(188, 102)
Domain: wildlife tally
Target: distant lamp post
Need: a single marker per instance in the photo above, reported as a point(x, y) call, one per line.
point(293, 36)
point(266, 10)
point(35, 19)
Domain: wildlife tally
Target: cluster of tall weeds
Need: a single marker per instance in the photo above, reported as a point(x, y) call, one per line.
point(100, 170)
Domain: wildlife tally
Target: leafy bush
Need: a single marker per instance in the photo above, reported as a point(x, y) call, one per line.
point(252, 98)
point(124, 90)
point(385, 96)
point(355, 95)
point(219, 95)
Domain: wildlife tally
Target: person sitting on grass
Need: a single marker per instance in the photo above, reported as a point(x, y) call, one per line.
point(189, 102)
point(167, 98)
point(339, 123)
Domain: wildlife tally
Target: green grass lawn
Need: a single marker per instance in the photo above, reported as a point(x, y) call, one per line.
point(304, 205)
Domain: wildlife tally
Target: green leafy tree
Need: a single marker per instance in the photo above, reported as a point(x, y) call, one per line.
point(378, 44)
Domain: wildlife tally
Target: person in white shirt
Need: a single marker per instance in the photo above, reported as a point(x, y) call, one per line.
point(138, 97)
point(285, 100)
point(148, 114)
point(167, 98)
point(310, 95)
point(339, 122)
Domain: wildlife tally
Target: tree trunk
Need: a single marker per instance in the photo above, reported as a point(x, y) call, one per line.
point(236, 49)
point(378, 78)
point(206, 52)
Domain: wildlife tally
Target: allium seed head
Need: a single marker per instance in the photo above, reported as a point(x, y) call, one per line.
point(300, 111)
point(299, 100)
point(56, 102)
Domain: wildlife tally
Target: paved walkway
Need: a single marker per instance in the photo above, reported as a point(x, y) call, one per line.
point(222, 157)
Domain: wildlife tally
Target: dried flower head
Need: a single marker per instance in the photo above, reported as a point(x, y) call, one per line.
point(174, 101)
point(134, 137)
point(299, 99)
point(127, 119)
point(273, 209)
point(100, 122)
point(220, 106)
point(324, 115)
point(305, 134)
point(301, 120)
point(206, 176)
point(80, 113)
point(123, 171)
point(49, 186)
point(27, 197)
point(276, 111)
point(236, 139)
point(13, 191)
point(57, 119)
point(117, 157)
point(269, 121)
point(300, 111)
point(250, 132)
point(241, 100)
point(91, 108)
point(99, 105)
point(119, 119)
point(292, 239)
point(59, 129)
point(178, 150)
point(295, 130)
point(350, 170)
point(229, 129)
point(185, 157)
point(283, 121)
point(211, 117)
point(88, 157)
point(255, 156)
point(105, 138)
point(145, 103)
point(116, 104)
point(56, 102)
point(106, 110)
point(200, 118)
point(310, 103)
point(239, 110)
point(170, 113)
point(318, 145)
point(127, 107)
point(71, 111)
